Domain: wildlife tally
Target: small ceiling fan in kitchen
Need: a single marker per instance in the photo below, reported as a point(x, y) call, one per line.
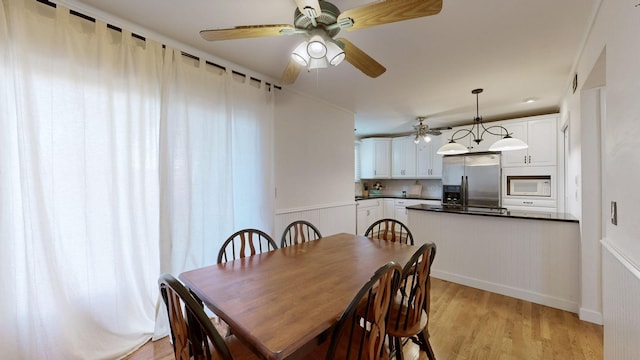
point(320, 21)
point(423, 130)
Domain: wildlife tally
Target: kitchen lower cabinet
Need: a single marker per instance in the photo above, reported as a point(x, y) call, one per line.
point(369, 210)
point(389, 208)
point(402, 214)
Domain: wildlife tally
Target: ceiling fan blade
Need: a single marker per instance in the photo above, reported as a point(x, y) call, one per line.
point(361, 60)
point(389, 11)
point(305, 6)
point(291, 72)
point(245, 32)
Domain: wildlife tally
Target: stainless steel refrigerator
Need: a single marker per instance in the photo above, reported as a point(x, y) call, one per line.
point(471, 179)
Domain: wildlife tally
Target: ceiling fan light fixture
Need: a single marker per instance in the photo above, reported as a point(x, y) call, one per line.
point(426, 138)
point(417, 139)
point(317, 48)
point(318, 63)
point(300, 54)
point(335, 54)
point(452, 148)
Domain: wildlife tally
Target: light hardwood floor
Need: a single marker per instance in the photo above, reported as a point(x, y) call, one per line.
point(468, 323)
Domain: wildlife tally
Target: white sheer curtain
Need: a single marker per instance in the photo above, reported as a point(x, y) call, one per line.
point(79, 186)
point(115, 165)
point(252, 150)
point(216, 160)
point(196, 186)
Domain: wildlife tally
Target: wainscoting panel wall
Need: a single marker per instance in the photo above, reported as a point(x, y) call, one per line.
point(621, 291)
point(329, 219)
point(531, 259)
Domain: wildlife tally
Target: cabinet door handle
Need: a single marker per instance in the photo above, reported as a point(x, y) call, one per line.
point(525, 159)
point(529, 159)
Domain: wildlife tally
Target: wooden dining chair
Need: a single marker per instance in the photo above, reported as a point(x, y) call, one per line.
point(298, 232)
point(244, 243)
point(391, 230)
point(409, 312)
point(354, 338)
point(193, 335)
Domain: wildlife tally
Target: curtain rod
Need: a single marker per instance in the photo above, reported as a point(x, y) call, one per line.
point(140, 37)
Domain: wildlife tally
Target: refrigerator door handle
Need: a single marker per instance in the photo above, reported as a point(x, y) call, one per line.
point(466, 191)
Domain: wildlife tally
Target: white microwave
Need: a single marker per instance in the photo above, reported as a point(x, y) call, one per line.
point(529, 185)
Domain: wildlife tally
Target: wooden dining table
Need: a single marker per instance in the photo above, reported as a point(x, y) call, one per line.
point(285, 302)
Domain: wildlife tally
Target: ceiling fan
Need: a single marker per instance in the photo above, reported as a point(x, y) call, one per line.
point(423, 130)
point(321, 21)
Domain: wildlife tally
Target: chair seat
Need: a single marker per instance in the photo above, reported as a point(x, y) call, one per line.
point(345, 348)
point(397, 313)
point(396, 326)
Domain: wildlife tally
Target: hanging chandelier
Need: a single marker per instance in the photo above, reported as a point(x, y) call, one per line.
point(507, 143)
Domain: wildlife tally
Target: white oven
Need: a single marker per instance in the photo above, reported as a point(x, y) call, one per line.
point(529, 188)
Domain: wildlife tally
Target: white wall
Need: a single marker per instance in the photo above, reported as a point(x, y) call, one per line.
point(314, 162)
point(615, 32)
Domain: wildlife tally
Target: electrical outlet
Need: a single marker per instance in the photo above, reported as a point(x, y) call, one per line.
point(614, 213)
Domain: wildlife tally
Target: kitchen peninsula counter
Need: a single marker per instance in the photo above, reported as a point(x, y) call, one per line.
point(526, 255)
point(504, 213)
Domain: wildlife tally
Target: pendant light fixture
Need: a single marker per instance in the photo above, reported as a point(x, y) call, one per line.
point(507, 143)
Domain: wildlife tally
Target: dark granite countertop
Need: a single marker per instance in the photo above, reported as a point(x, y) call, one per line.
point(394, 197)
point(502, 212)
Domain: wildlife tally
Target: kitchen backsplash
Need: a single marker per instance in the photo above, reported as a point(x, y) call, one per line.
point(431, 188)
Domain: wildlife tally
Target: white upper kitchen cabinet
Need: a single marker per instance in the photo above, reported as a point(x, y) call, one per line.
point(403, 158)
point(375, 158)
point(429, 161)
point(540, 134)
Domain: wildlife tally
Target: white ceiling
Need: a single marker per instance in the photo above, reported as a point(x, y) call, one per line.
point(514, 49)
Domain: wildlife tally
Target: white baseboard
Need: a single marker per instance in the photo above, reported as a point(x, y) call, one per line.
point(590, 316)
point(508, 291)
